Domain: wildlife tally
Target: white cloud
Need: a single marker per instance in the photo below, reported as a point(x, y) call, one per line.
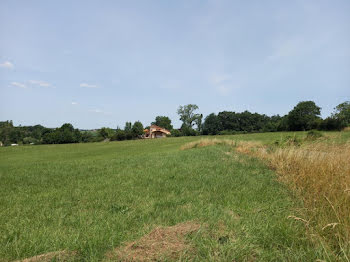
point(74, 103)
point(220, 78)
point(289, 48)
point(7, 65)
point(88, 85)
point(223, 83)
point(95, 111)
point(17, 84)
point(99, 111)
point(40, 83)
point(224, 90)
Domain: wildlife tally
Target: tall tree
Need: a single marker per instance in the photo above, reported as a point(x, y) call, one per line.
point(211, 125)
point(199, 122)
point(188, 116)
point(304, 116)
point(137, 129)
point(342, 113)
point(128, 127)
point(106, 132)
point(163, 121)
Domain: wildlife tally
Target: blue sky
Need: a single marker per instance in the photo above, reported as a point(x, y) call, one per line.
point(102, 63)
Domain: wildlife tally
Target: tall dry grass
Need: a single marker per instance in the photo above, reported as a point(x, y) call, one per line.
point(320, 174)
point(208, 142)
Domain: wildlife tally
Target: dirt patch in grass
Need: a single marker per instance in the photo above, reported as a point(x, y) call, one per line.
point(63, 255)
point(160, 243)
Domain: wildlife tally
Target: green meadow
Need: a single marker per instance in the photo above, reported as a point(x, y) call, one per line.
point(97, 197)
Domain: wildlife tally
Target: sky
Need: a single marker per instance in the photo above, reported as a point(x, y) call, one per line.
point(102, 63)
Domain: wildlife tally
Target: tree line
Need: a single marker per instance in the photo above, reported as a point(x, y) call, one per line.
point(304, 116)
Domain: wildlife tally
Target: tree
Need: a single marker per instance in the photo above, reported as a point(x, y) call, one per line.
point(229, 121)
point(176, 133)
point(87, 136)
point(128, 130)
point(187, 115)
point(163, 121)
point(137, 129)
point(304, 116)
point(211, 125)
point(106, 132)
point(331, 123)
point(128, 127)
point(65, 134)
point(188, 131)
point(6, 128)
point(67, 126)
point(119, 135)
point(30, 140)
point(103, 132)
point(342, 113)
point(15, 135)
point(198, 122)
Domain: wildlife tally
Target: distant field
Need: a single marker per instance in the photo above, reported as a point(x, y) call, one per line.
point(201, 204)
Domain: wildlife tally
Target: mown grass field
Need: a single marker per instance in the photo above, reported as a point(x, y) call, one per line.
point(94, 199)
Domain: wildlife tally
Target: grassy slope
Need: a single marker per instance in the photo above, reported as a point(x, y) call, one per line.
point(93, 197)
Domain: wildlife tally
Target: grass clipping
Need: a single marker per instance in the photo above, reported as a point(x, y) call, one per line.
point(319, 172)
point(63, 255)
point(161, 243)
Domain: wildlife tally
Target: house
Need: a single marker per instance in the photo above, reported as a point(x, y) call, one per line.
point(155, 132)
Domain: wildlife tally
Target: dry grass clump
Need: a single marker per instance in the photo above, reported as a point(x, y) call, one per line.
point(320, 174)
point(162, 242)
point(63, 255)
point(208, 142)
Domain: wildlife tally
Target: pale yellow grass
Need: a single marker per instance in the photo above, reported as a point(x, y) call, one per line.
point(208, 142)
point(320, 174)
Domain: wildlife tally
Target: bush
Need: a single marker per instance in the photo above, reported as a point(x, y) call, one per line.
point(189, 131)
point(119, 135)
point(29, 140)
point(331, 123)
point(291, 141)
point(313, 135)
point(176, 133)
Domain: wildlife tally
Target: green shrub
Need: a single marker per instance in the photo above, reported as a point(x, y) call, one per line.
point(313, 135)
point(176, 133)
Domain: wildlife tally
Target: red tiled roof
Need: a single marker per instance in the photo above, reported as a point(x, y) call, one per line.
point(158, 128)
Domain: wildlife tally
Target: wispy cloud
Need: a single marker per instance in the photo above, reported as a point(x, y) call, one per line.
point(289, 48)
point(170, 85)
point(74, 103)
point(88, 85)
point(17, 84)
point(7, 65)
point(99, 111)
point(220, 78)
point(223, 83)
point(224, 90)
point(40, 83)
